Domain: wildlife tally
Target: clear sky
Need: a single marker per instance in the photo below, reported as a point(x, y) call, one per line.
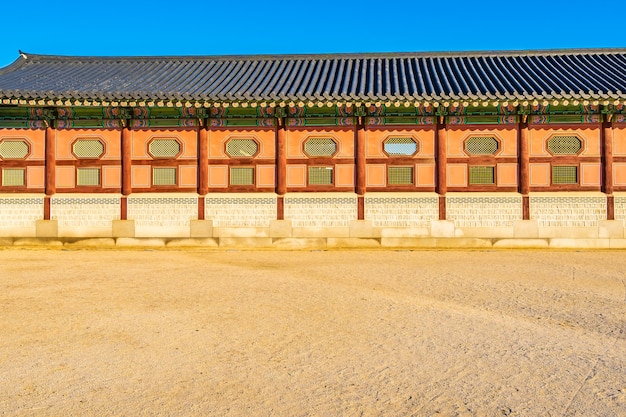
point(328, 26)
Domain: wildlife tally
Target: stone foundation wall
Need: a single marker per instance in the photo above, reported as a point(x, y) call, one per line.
point(18, 214)
point(568, 210)
point(321, 210)
point(484, 210)
point(401, 209)
point(620, 206)
point(162, 215)
point(240, 210)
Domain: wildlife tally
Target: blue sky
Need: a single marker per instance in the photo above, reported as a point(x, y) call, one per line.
point(256, 27)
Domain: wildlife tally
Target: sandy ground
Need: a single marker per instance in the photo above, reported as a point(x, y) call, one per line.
point(340, 333)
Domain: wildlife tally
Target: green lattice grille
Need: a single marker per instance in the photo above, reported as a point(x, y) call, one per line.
point(13, 149)
point(88, 176)
point(242, 176)
point(399, 175)
point(400, 146)
point(88, 148)
point(320, 147)
point(164, 176)
point(481, 145)
point(241, 148)
point(164, 148)
point(564, 174)
point(320, 175)
point(481, 175)
point(13, 178)
point(565, 145)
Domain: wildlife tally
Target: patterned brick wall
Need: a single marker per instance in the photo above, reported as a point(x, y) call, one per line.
point(16, 212)
point(309, 210)
point(484, 211)
point(240, 211)
point(401, 210)
point(620, 207)
point(168, 212)
point(567, 211)
point(91, 211)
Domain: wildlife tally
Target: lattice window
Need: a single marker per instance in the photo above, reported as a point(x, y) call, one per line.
point(241, 148)
point(88, 176)
point(565, 145)
point(320, 147)
point(399, 175)
point(13, 149)
point(88, 148)
point(242, 176)
point(164, 148)
point(320, 175)
point(481, 145)
point(13, 177)
point(164, 176)
point(564, 174)
point(400, 146)
point(479, 175)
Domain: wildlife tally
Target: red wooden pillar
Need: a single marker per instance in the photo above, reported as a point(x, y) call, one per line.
point(281, 170)
point(360, 169)
point(126, 170)
point(51, 166)
point(203, 168)
point(523, 142)
point(442, 160)
point(607, 180)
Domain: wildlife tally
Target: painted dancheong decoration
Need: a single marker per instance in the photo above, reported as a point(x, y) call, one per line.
point(405, 149)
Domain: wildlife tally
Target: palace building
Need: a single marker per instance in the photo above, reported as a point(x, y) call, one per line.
point(510, 148)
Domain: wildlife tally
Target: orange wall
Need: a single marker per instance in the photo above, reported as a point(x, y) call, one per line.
point(66, 137)
point(141, 138)
point(425, 136)
point(457, 134)
point(296, 137)
point(35, 138)
point(619, 139)
point(539, 135)
point(264, 137)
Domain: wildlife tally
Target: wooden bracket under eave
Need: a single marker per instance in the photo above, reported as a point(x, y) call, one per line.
point(524, 118)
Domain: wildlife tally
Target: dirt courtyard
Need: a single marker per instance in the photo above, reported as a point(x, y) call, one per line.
point(337, 333)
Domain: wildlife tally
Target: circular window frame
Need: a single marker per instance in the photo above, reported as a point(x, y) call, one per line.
point(83, 158)
point(483, 155)
point(153, 139)
point(334, 154)
point(565, 155)
point(26, 141)
point(255, 140)
point(418, 146)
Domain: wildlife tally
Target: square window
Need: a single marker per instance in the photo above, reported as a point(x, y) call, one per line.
point(242, 176)
point(13, 177)
point(164, 176)
point(320, 176)
point(399, 175)
point(88, 176)
point(481, 175)
point(564, 174)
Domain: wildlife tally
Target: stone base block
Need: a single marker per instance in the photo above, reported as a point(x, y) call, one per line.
point(352, 242)
point(580, 243)
point(525, 229)
point(569, 232)
point(123, 228)
point(299, 243)
point(245, 242)
point(46, 228)
point(464, 243)
point(408, 242)
point(6, 241)
point(84, 232)
point(485, 232)
point(404, 232)
point(521, 244)
point(361, 228)
point(192, 243)
point(321, 232)
point(92, 243)
point(617, 243)
point(442, 228)
point(611, 229)
point(126, 242)
point(241, 232)
point(281, 228)
point(37, 242)
point(201, 228)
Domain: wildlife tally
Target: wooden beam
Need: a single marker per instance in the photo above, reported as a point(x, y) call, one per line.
point(281, 161)
point(203, 161)
point(360, 160)
point(442, 161)
point(50, 182)
point(126, 161)
point(523, 146)
point(607, 159)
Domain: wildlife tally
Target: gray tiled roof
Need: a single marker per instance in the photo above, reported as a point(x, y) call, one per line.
point(587, 74)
